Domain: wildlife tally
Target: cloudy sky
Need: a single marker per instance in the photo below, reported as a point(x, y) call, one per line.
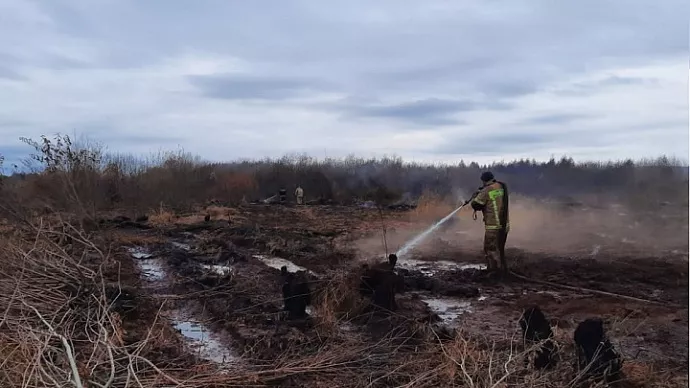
point(426, 80)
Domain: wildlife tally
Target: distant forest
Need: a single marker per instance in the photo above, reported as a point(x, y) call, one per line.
point(86, 173)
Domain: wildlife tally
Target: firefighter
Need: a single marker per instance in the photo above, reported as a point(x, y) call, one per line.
point(299, 193)
point(492, 201)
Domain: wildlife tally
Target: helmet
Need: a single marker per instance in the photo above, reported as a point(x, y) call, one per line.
point(487, 176)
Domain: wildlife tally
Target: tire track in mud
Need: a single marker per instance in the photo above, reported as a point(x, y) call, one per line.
point(199, 339)
point(489, 313)
point(197, 323)
point(447, 310)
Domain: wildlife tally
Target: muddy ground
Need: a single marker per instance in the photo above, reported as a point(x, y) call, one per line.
point(217, 284)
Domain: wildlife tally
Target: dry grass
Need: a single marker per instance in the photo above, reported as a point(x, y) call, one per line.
point(431, 207)
point(162, 217)
point(57, 320)
point(189, 219)
point(221, 212)
point(166, 217)
point(337, 300)
point(59, 329)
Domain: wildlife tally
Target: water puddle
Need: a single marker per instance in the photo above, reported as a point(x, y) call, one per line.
point(139, 252)
point(183, 246)
point(368, 204)
point(595, 250)
point(151, 268)
point(222, 270)
point(448, 309)
point(553, 294)
point(277, 263)
point(429, 268)
point(203, 341)
point(199, 338)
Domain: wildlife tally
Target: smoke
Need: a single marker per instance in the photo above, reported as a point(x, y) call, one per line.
point(589, 230)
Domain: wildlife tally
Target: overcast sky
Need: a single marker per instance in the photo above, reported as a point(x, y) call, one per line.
point(426, 80)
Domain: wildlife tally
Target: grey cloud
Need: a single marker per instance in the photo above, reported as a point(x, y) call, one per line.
point(9, 74)
point(554, 119)
point(8, 123)
point(124, 139)
point(478, 55)
point(507, 88)
point(430, 111)
point(618, 80)
point(585, 88)
point(479, 77)
point(10, 69)
point(497, 143)
point(241, 87)
point(521, 46)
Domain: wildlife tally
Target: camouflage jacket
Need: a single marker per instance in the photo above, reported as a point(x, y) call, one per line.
point(490, 200)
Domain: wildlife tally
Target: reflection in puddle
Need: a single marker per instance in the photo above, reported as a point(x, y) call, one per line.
point(448, 309)
point(203, 342)
point(595, 250)
point(222, 270)
point(277, 262)
point(151, 269)
point(139, 252)
point(197, 336)
point(429, 268)
point(550, 293)
point(183, 246)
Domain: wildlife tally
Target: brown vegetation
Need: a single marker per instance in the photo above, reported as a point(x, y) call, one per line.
point(76, 314)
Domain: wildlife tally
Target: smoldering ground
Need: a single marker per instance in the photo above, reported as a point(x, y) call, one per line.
point(589, 228)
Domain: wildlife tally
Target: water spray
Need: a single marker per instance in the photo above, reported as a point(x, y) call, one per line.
point(412, 243)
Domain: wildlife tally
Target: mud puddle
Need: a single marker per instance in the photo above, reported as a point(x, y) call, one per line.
point(218, 269)
point(139, 253)
point(183, 246)
point(203, 342)
point(429, 268)
point(151, 267)
point(200, 340)
point(448, 309)
point(277, 263)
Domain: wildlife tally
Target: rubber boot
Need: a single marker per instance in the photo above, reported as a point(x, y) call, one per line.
point(504, 267)
point(490, 263)
point(504, 264)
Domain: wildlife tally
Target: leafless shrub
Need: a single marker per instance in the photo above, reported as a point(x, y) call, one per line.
point(84, 177)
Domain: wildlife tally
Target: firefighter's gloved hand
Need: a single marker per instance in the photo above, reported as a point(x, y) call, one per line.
point(474, 215)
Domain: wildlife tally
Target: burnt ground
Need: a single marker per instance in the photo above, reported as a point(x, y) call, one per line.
point(353, 346)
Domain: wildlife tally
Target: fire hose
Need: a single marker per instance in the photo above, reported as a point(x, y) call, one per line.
point(474, 195)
